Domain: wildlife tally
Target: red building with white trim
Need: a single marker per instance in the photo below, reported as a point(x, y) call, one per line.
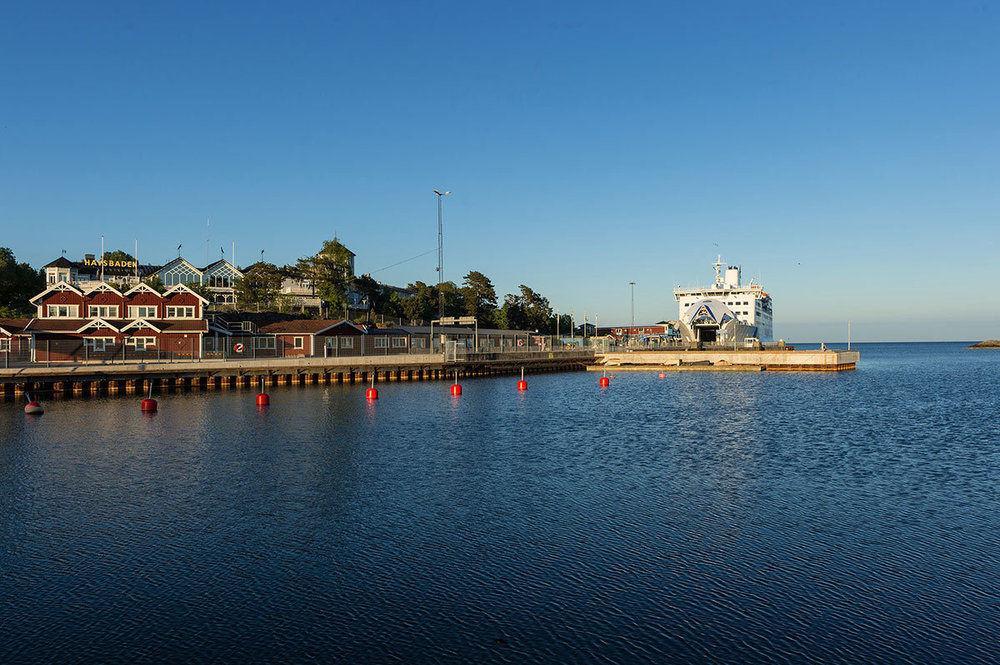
point(104, 323)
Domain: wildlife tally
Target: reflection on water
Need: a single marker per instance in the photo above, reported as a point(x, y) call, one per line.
point(758, 516)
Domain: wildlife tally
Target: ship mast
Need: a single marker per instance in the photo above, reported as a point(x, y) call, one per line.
point(718, 271)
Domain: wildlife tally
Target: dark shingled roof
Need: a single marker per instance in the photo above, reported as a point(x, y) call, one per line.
point(304, 326)
point(61, 262)
point(14, 326)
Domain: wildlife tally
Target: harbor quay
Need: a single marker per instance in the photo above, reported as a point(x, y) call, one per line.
point(79, 380)
point(820, 360)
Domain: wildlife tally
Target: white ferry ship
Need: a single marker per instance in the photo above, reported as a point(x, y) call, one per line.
point(727, 311)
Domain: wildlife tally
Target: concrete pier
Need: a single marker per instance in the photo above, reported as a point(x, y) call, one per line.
point(776, 360)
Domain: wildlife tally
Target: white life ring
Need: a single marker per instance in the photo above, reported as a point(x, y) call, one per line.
point(238, 347)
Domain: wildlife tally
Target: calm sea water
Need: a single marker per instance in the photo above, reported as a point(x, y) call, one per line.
point(701, 517)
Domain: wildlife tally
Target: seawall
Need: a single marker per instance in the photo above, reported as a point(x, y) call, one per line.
point(138, 378)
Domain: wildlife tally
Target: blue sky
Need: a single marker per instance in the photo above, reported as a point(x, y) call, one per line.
point(847, 153)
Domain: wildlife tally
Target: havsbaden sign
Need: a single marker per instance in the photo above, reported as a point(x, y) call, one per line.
point(110, 264)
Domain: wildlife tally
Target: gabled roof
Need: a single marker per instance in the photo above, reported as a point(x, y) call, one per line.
point(61, 262)
point(103, 286)
point(79, 325)
point(219, 264)
point(58, 286)
point(139, 323)
point(142, 286)
point(184, 288)
point(179, 260)
point(97, 323)
point(308, 327)
point(9, 327)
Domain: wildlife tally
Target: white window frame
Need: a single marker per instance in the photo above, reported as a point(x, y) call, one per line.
point(181, 274)
point(4, 344)
point(346, 342)
point(264, 343)
point(398, 342)
point(140, 343)
point(381, 342)
point(102, 311)
point(421, 343)
point(72, 312)
point(173, 309)
point(134, 313)
point(298, 342)
point(91, 343)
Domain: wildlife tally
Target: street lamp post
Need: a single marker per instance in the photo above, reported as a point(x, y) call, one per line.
point(440, 196)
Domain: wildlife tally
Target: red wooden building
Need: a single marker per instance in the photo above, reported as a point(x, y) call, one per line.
point(15, 343)
point(316, 337)
point(103, 322)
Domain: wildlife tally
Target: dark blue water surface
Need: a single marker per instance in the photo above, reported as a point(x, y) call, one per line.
point(701, 517)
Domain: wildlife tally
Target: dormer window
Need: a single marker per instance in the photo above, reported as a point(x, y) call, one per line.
point(103, 311)
point(62, 311)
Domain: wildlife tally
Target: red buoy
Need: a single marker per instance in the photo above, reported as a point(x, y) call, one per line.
point(371, 394)
point(522, 385)
point(263, 399)
point(604, 382)
point(148, 405)
point(34, 408)
point(663, 375)
point(456, 389)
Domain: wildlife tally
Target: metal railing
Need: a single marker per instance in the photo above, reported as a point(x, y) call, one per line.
point(56, 352)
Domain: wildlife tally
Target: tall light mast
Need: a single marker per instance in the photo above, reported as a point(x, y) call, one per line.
point(440, 196)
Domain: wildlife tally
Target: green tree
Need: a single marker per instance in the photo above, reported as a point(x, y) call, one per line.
point(528, 310)
point(480, 298)
point(422, 305)
point(454, 299)
point(259, 288)
point(118, 255)
point(19, 282)
point(330, 271)
point(155, 282)
point(372, 293)
point(394, 307)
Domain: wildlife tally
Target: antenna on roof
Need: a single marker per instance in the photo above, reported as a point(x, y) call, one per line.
point(179, 250)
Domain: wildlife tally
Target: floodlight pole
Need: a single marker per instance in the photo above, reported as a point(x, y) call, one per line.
point(440, 196)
